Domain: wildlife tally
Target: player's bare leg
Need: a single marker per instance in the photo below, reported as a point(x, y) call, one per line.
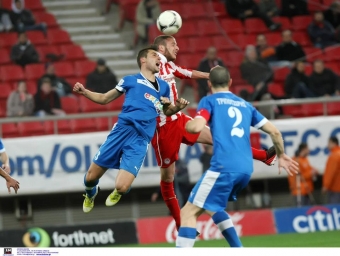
point(124, 181)
point(168, 193)
point(266, 156)
point(91, 181)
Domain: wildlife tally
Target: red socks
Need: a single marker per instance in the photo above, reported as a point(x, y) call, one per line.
point(169, 196)
point(259, 154)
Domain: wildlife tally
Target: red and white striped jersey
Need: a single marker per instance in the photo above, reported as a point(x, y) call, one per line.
point(168, 71)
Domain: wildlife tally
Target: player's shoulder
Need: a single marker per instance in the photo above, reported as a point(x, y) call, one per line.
point(133, 77)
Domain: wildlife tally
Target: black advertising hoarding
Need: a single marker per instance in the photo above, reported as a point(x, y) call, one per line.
point(94, 235)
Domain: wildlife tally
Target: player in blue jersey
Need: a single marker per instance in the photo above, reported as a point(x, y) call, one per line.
point(5, 170)
point(231, 166)
point(126, 145)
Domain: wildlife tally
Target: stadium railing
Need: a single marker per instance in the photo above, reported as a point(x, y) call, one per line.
point(109, 115)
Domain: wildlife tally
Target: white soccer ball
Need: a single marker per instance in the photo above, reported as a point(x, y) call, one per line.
point(169, 22)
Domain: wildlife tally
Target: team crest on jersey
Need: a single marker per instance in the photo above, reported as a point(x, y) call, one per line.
point(155, 102)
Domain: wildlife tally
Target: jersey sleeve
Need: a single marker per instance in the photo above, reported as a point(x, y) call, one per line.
point(180, 72)
point(258, 120)
point(123, 85)
point(2, 147)
point(204, 109)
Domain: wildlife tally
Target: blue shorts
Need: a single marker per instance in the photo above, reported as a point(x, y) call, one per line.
point(214, 189)
point(124, 148)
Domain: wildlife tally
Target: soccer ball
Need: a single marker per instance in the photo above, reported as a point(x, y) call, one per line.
point(169, 22)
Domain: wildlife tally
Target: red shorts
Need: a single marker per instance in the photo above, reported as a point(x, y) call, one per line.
point(168, 138)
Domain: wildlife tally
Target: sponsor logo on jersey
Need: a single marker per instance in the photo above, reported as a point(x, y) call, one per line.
point(155, 102)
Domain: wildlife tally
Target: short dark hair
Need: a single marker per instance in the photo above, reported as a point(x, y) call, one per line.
point(334, 140)
point(16, 1)
point(301, 147)
point(144, 52)
point(219, 77)
point(161, 40)
point(46, 80)
point(21, 33)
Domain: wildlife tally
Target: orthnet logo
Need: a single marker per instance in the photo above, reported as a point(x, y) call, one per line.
point(80, 238)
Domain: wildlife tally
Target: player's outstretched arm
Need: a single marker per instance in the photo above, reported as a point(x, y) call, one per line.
point(170, 109)
point(199, 75)
point(196, 125)
point(101, 98)
point(5, 160)
point(284, 160)
point(10, 182)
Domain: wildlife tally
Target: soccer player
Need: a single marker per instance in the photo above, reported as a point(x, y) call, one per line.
point(231, 166)
point(126, 145)
point(170, 131)
point(5, 170)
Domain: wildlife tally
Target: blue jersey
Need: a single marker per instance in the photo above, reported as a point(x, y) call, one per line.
point(230, 118)
point(2, 147)
point(142, 103)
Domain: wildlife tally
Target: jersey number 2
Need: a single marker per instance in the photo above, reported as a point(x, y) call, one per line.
point(236, 131)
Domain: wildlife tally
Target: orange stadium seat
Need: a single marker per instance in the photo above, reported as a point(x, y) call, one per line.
point(5, 90)
point(7, 40)
point(57, 36)
point(4, 57)
point(83, 125)
point(34, 71)
point(255, 26)
point(64, 69)
point(10, 130)
point(276, 89)
point(47, 49)
point(11, 73)
point(31, 128)
point(89, 106)
point(47, 18)
point(116, 105)
point(37, 38)
point(72, 52)
point(232, 26)
point(84, 67)
point(70, 104)
point(32, 87)
point(301, 22)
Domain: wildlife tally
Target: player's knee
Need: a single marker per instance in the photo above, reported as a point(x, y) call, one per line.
point(122, 188)
point(167, 177)
point(91, 176)
point(168, 174)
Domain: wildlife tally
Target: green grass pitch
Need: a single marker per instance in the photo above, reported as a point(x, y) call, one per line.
point(317, 239)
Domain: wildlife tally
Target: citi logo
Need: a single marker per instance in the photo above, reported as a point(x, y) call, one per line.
point(317, 218)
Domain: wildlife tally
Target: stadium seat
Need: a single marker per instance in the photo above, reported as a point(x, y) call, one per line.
point(314, 109)
point(200, 45)
point(238, 88)
point(4, 57)
point(188, 29)
point(64, 69)
point(57, 37)
point(70, 104)
point(313, 54)
point(34, 5)
point(314, 6)
point(31, 128)
point(85, 67)
point(242, 40)
point(233, 26)
point(11, 73)
point(280, 74)
point(308, 70)
point(47, 49)
point(34, 71)
point(273, 39)
point(171, 6)
point(37, 38)
point(2, 112)
point(190, 60)
point(302, 38)
point(83, 125)
point(222, 43)
point(285, 22)
point(5, 90)
point(334, 66)
point(255, 26)
point(7, 40)
point(193, 11)
point(301, 22)
point(333, 108)
point(276, 89)
point(103, 123)
point(153, 33)
point(293, 110)
point(73, 80)
point(64, 127)
point(327, 3)
point(184, 45)
point(332, 53)
point(219, 9)
point(32, 87)
point(72, 52)
point(89, 106)
point(9, 130)
point(208, 28)
point(235, 74)
point(116, 105)
point(47, 18)
point(234, 59)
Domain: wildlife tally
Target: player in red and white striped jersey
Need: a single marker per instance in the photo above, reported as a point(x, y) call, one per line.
point(170, 131)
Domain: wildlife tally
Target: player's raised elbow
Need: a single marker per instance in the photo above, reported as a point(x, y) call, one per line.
point(193, 127)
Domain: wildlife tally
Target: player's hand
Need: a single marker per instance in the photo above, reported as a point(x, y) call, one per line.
point(182, 103)
point(6, 168)
point(12, 183)
point(79, 88)
point(165, 101)
point(288, 164)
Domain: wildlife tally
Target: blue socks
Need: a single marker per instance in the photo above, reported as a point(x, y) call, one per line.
point(226, 226)
point(90, 187)
point(186, 237)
